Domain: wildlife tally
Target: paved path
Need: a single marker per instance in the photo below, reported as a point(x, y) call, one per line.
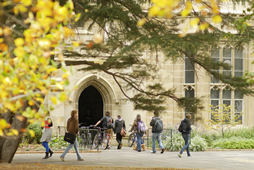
point(126, 157)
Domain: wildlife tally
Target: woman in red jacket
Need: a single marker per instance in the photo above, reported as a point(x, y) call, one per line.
point(46, 137)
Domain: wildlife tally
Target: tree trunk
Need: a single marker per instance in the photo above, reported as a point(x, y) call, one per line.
point(10, 145)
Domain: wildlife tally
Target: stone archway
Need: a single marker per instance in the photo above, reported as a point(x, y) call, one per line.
point(104, 88)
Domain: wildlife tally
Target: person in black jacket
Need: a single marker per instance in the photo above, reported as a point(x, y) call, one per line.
point(119, 123)
point(156, 132)
point(186, 129)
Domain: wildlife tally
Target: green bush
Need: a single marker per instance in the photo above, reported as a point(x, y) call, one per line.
point(58, 142)
point(38, 133)
point(198, 144)
point(243, 132)
point(234, 143)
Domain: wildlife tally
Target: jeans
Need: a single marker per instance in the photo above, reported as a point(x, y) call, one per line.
point(75, 147)
point(46, 145)
point(156, 136)
point(186, 138)
point(139, 141)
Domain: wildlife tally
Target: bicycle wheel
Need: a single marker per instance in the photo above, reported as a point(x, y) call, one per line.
point(96, 141)
point(89, 142)
point(131, 140)
point(104, 143)
point(82, 138)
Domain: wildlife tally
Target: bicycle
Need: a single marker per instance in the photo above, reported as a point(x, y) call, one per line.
point(85, 137)
point(101, 139)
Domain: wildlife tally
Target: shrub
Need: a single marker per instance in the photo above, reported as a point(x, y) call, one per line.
point(58, 142)
point(234, 143)
point(198, 144)
point(240, 132)
point(38, 133)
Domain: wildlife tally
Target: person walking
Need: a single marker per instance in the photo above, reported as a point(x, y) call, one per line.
point(73, 128)
point(119, 123)
point(46, 137)
point(107, 123)
point(157, 127)
point(139, 128)
point(185, 128)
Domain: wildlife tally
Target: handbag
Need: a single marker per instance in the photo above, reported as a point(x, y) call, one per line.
point(68, 137)
point(123, 132)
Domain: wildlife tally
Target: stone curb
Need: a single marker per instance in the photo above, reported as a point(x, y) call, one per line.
point(40, 152)
point(208, 150)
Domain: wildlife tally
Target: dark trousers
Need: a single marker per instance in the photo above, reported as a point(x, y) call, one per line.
point(119, 138)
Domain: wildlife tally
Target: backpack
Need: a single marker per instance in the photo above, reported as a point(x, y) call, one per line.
point(158, 126)
point(109, 122)
point(141, 127)
point(180, 128)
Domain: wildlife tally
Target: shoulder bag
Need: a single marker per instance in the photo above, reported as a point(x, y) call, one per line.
point(68, 137)
point(123, 132)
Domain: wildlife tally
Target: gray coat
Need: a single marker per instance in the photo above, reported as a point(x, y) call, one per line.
point(46, 136)
point(118, 125)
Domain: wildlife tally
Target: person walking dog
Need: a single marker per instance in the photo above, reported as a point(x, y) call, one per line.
point(46, 137)
point(73, 128)
point(185, 129)
point(119, 124)
point(157, 125)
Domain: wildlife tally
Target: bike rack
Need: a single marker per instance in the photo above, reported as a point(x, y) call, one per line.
point(87, 130)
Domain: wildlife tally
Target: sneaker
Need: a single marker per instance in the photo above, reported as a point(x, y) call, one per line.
point(179, 155)
point(139, 150)
point(80, 159)
point(162, 151)
point(62, 159)
point(153, 152)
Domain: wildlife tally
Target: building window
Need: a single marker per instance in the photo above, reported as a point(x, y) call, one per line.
point(233, 57)
point(189, 70)
point(228, 97)
point(189, 87)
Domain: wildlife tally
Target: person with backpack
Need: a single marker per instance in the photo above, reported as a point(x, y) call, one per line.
point(107, 123)
point(185, 129)
point(157, 125)
point(139, 128)
point(119, 124)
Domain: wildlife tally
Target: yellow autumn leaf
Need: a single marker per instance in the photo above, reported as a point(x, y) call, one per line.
point(65, 75)
point(59, 86)
point(1, 40)
point(185, 12)
point(32, 133)
point(1, 132)
point(15, 132)
point(51, 69)
point(141, 22)
point(31, 103)
point(217, 19)
point(3, 123)
point(54, 100)
point(42, 123)
point(21, 8)
point(75, 44)
point(27, 2)
point(77, 17)
point(153, 11)
point(194, 22)
point(203, 26)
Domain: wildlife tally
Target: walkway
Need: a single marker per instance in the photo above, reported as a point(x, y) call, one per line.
point(126, 157)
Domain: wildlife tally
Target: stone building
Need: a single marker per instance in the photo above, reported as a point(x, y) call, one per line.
point(97, 92)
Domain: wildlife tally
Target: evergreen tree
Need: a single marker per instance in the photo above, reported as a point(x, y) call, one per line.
point(125, 43)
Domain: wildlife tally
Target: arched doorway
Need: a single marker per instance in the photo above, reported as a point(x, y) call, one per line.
point(90, 106)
